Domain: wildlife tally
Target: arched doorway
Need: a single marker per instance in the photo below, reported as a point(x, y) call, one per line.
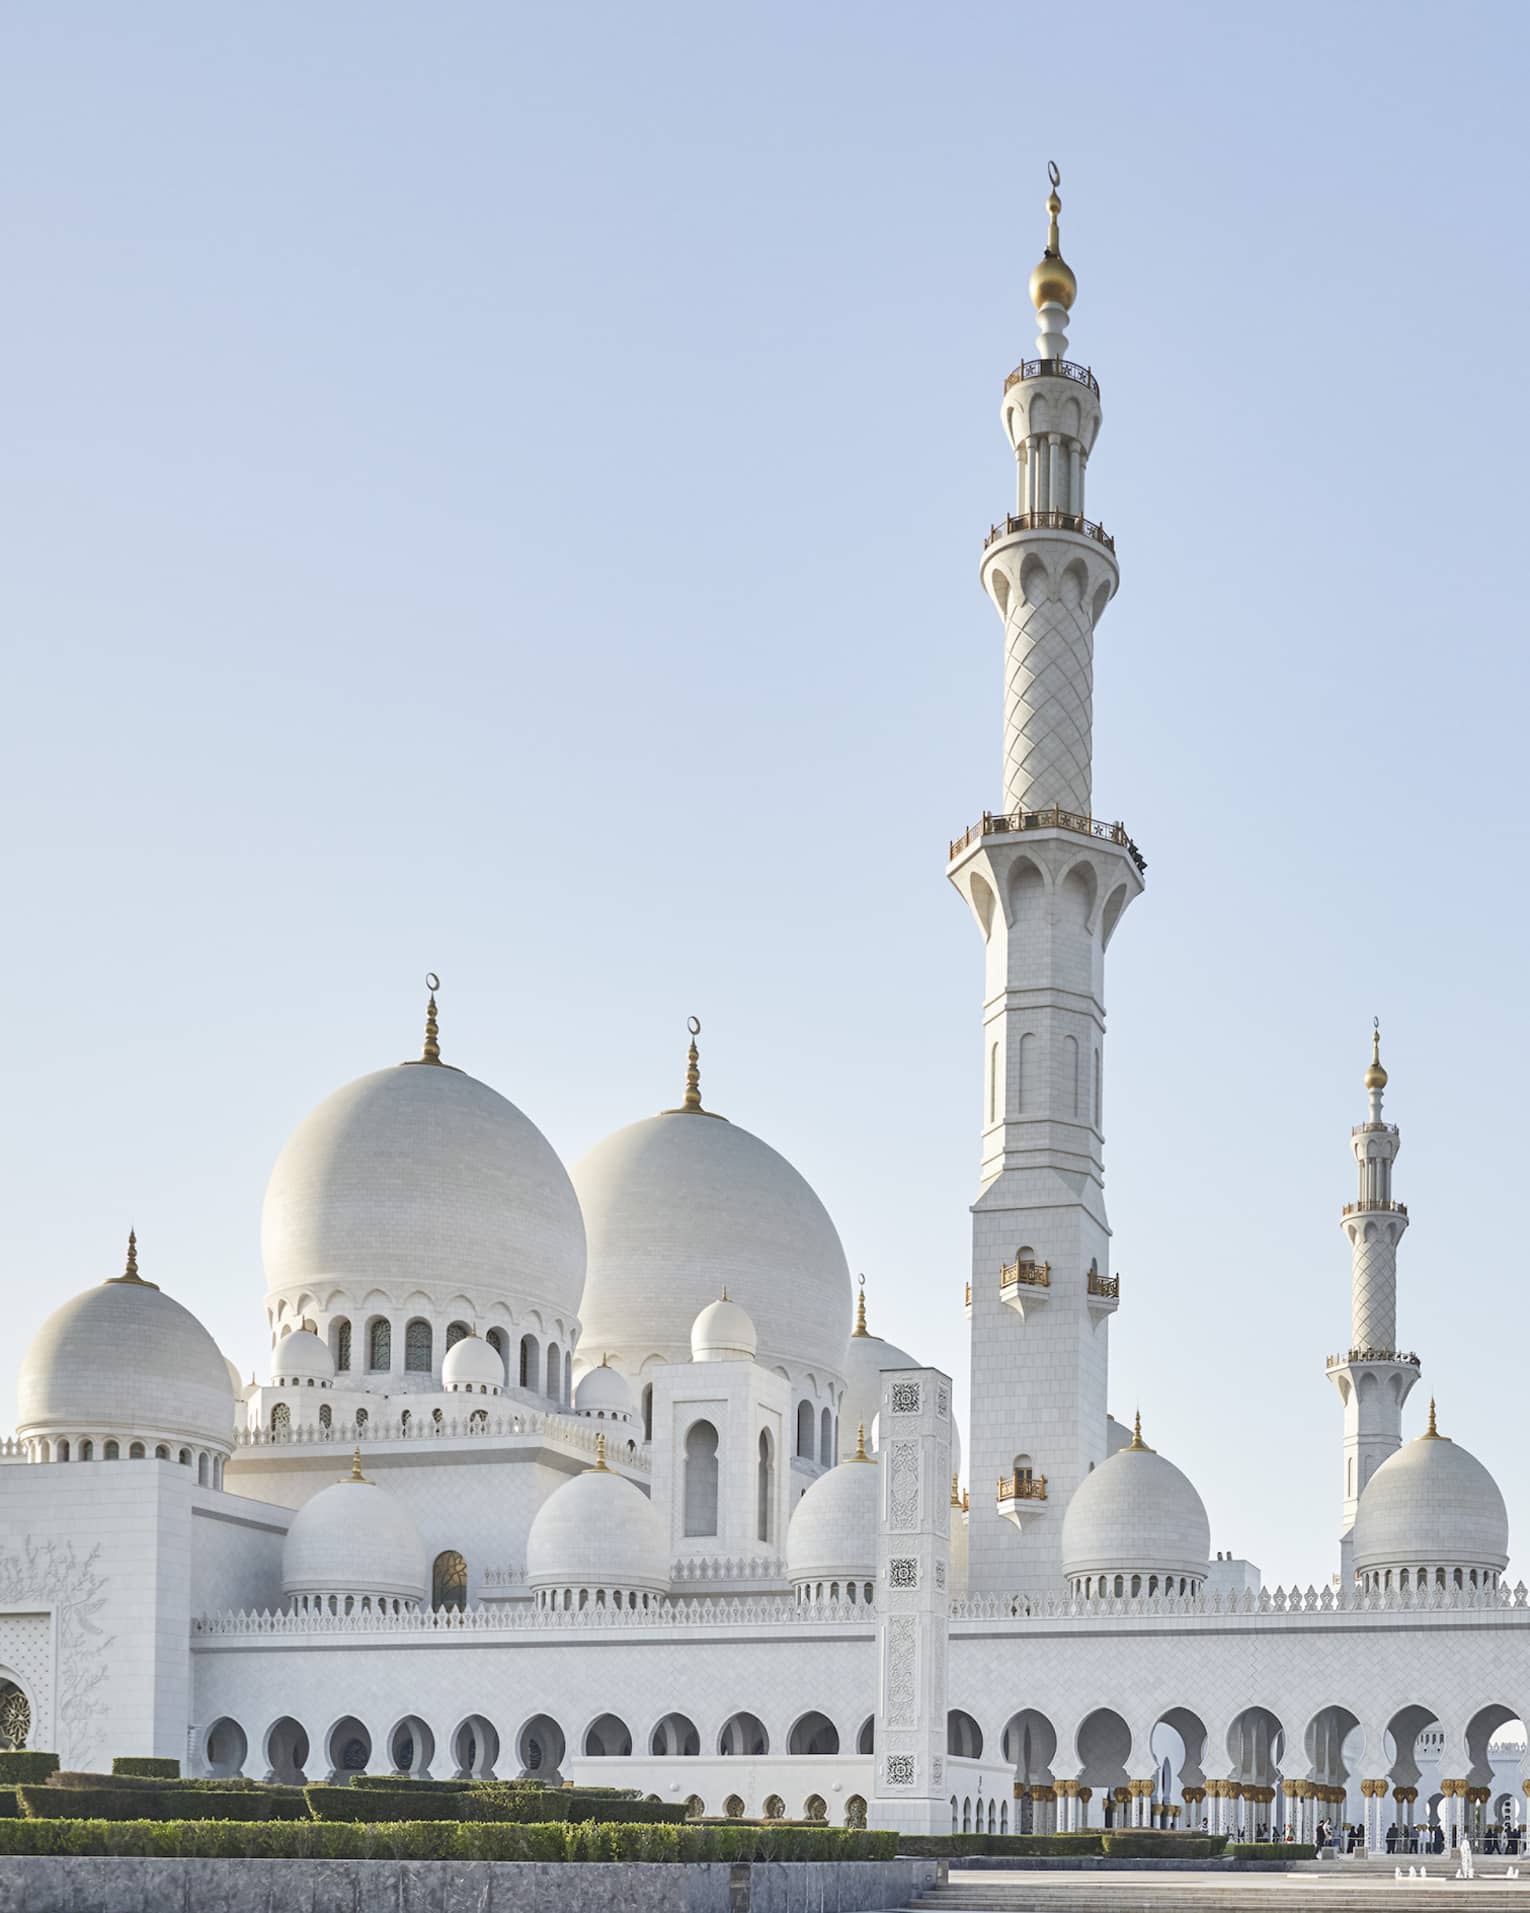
point(411, 1747)
point(224, 1749)
point(541, 1748)
point(475, 1749)
point(287, 1753)
point(350, 1748)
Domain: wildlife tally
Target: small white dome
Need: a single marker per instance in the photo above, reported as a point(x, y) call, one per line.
point(1136, 1514)
point(235, 1380)
point(124, 1360)
point(1434, 1505)
point(353, 1539)
point(472, 1364)
point(680, 1205)
point(604, 1391)
point(832, 1535)
point(300, 1357)
point(722, 1333)
point(421, 1175)
point(865, 1359)
point(597, 1531)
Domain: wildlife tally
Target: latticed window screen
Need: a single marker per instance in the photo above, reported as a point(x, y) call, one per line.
point(417, 1340)
point(449, 1581)
point(456, 1333)
point(341, 1336)
point(380, 1345)
point(15, 1716)
point(281, 1419)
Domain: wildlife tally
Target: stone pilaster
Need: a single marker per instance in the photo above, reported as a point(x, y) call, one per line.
point(913, 1601)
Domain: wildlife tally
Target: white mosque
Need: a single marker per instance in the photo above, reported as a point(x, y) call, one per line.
point(599, 1473)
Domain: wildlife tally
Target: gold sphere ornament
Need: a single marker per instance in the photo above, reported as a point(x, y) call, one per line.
point(1052, 280)
point(1375, 1075)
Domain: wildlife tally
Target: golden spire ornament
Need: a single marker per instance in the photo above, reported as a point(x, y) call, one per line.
point(1052, 281)
point(860, 1311)
point(130, 1267)
point(1432, 1432)
point(956, 1491)
point(691, 1103)
point(600, 1467)
point(860, 1443)
point(1375, 1076)
point(356, 1475)
point(1137, 1445)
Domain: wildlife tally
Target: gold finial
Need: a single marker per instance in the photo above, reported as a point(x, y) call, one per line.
point(724, 1296)
point(356, 1474)
point(432, 1050)
point(600, 1467)
point(691, 1105)
point(860, 1443)
point(956, 1491)
point(1137, 1445)
point(1052, 282)
point(1375, 1076)
point(860, 1312)
point(130, 1267)
point(1432, 1432)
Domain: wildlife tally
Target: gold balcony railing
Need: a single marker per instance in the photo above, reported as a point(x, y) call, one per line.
point(1049, 521)
point(1053, 369)
point(1371, 1208)
point(1022, 1487)
point(1030, 1275)
point(998, 823)
point(1403, 1355)
point(1108, 1286)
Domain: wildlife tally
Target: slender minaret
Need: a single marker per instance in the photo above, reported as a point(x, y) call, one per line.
point(1373, 1376)
point(1047, 883)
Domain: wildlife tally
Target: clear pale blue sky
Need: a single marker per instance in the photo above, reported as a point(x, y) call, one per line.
point(499, 489)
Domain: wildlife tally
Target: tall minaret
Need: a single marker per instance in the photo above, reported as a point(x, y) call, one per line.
point(1047, 883)
point(1373, 1376)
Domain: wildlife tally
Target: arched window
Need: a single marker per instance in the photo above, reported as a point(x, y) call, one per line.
point(766, 1486)
point(87, 1451)
point(63, 1451)
point(648, 1411)
point(202, 1470)
point(456, 1332)
point(805, 1429)
point(326, 1415)
point(826, 1439)
point(379, 1344)
point(531, 1366)
point(448, 1581)
point(136, 1452)
point(361, 1420)
point(417, 1347)
point(111, 1452)
point(554, 1369)
point(281, 1419)
point(340, 1343)
point(184, 1458)
point(568, 1375)
point(478, 1421)
point(162, 1453)
point(701, 1479)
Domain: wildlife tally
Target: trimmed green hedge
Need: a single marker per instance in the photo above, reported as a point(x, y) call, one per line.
point(18, 1769)
point(437, 1840)
point(381, 1805)
point(491, 1801)
point(10, 1804)
point(1272, 1850)
point(146, 1767)
point(1143, 1843)
point(942, 1846)
point(140, 1803)
point(405, 1783)
point(122, 1783)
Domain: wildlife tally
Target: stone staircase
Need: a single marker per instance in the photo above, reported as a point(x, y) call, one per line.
point(1348, 1887)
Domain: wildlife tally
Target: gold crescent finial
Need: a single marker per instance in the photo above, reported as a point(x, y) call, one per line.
point(432, 1051)
point(1137, 1444)
point(600, 1467)
point(691, 1103)
point(1432, 1432)
point(1375, 1075)
point(860, 1443)
point(1052, 282)
point(956, 1491)
point(860, 1312)
point(356, 1474)
point(130, 1266)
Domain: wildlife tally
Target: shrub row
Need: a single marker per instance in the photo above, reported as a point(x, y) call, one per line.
point(405, 1783)
point(487, 1801)
point(31, 1768)
point(138, 1803)
point(941, 1846)
point(437, 1840)
point(1142, 1843)
point(146, 1767)
point(1271, 1850)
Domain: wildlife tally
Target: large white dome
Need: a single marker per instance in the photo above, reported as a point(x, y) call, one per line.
point(598, 1531)
point(832, 1535)
point(422, 1176)
point(1431, 1505)
point(123, 1360)
point(1136, 1515)
point(682, 1205)
point(353, 1540)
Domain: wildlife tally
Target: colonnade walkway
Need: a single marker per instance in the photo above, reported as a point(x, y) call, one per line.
point(1363, 1886)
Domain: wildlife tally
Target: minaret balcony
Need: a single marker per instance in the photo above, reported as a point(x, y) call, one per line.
point(1025, 1285)
point(1103, 1293)
point(1049, 521)
point(1375, 1208)
point(995, 823)
point(1022, 1498)
point(1053, 369)
point(1381, 1357)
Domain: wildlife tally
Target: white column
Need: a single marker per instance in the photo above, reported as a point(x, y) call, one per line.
point(913, 1600)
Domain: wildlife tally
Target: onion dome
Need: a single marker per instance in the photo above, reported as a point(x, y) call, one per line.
point(604, 1394)
point(1135, 1525)
point(122, 1361)
point(722, 1333)
point(831, 1540)
point(353, 1545)
point(302, 1358)
point(596, 1541)
point(421, 1176)
point(685, 1202)
point(1431, 1515)
point(472, 1367)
